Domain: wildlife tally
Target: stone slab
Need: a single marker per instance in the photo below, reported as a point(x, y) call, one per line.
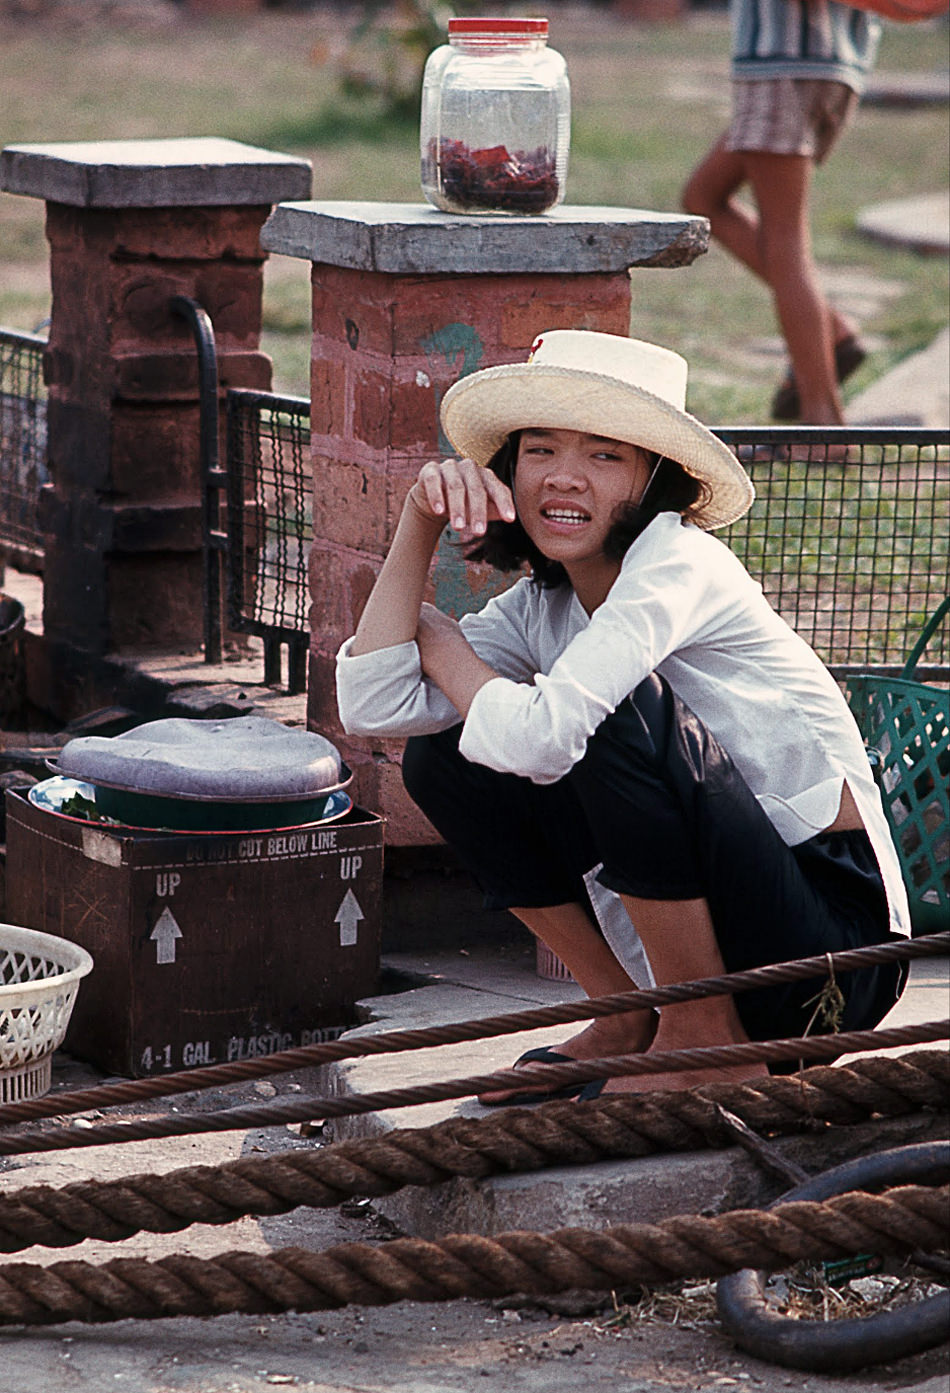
point(921, 224)
point(914, 393)
point(172, 173)
point(474, 984)
point(409, 238)
point(641, 1191)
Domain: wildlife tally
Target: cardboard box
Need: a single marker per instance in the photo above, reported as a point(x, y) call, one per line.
point(208, 948)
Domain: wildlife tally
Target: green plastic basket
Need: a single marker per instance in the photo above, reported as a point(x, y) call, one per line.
point(906, 727)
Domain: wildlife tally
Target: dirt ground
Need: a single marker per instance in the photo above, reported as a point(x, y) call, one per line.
point(464, 1346)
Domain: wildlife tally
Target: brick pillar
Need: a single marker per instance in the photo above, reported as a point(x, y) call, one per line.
point(406, 300)
point(131, 224)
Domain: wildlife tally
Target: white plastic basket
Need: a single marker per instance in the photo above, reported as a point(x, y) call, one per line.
point(548, 965)
point(39, 979)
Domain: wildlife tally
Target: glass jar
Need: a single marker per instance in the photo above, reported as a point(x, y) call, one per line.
point(496, 119)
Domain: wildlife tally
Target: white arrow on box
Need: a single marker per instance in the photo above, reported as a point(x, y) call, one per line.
point(348, 917)
point(163, 936)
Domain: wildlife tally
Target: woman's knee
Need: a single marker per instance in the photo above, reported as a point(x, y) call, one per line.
point(635, 735)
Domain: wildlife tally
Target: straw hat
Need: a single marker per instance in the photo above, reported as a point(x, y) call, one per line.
point(576, 379)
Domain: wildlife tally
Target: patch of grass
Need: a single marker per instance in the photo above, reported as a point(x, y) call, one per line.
point(647, 100)
point(345, 121)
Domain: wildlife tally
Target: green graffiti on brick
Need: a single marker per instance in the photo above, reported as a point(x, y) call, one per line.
point(461, 349)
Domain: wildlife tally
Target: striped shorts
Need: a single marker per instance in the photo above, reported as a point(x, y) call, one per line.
point(789, 116)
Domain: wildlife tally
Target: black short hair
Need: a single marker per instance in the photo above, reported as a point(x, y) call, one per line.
point(507, 546)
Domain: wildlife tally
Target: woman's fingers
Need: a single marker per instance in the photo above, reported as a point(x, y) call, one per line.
point(428, 491)
point(464, 494)
point(500, 496)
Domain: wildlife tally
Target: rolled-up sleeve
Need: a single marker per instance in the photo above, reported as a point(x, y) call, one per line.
point(385, 693)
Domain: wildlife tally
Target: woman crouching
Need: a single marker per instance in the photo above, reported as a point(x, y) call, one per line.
point(628, 749)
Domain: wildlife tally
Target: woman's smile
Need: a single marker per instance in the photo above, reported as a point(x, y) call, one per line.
point(562, 515)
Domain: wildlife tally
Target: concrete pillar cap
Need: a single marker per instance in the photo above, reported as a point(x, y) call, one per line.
point(172, 173)
point(416, 239)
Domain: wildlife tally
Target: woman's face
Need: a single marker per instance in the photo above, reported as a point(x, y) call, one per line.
point(568, 487)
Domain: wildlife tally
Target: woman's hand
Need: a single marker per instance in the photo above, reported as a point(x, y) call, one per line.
point(448, 659)
point(461, 493)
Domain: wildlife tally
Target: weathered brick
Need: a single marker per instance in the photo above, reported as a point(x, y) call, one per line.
point(563, 302)
point(414, 410)
point(80, 445)
point(171, 526)
point(322, 712)
point(123, 415)
point(140, 303)
point(406, 825)
point(328, 396)
point(349, 500)
point(163, 234)
point(371, 390)
point(174, 376)
point(340, 582)
point(206, 234)
point(353, 309)
point(75, 604)
point(249, 369)
point(155, 450)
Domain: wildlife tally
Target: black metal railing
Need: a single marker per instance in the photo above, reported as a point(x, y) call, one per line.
point(214, 480)
point(23, 469)
point(853, 552)
point(269, 526)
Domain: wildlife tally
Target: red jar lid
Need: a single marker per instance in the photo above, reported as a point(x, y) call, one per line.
point(498, 26)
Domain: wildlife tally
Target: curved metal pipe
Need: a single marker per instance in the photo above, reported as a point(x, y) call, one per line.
point(212, 478)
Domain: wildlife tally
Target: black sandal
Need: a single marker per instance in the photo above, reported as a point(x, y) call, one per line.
point(543, 1054)
point(786, 404)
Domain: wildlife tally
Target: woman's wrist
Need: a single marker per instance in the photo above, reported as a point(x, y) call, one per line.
point(417, 509)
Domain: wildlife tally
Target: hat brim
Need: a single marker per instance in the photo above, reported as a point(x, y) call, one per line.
point(480, 411)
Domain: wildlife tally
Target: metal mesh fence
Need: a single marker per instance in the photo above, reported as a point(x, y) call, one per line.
point(23, 468)
point(269, 523)
point(850, 538)
point(849, 534)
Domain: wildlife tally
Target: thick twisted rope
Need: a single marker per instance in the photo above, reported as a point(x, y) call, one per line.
point(283, 1110)
point(624, 1126)
point(396, 1041)
point(905, 1219)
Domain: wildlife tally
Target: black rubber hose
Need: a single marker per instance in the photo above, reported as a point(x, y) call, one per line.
point(843, 1345)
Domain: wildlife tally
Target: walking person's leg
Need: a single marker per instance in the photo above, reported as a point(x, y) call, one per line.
point(774, 122)
point(781, 185)
point(774, 243)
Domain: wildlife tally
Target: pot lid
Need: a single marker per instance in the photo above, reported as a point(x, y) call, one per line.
point(244, 758)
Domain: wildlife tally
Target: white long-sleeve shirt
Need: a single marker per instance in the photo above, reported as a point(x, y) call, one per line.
point(682, 606)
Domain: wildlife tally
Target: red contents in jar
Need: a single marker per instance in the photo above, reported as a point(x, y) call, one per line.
point(523, 182)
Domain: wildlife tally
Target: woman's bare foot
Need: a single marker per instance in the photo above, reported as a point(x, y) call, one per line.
point(687, 1078)
point(694, 1025)
point(627, 1033)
